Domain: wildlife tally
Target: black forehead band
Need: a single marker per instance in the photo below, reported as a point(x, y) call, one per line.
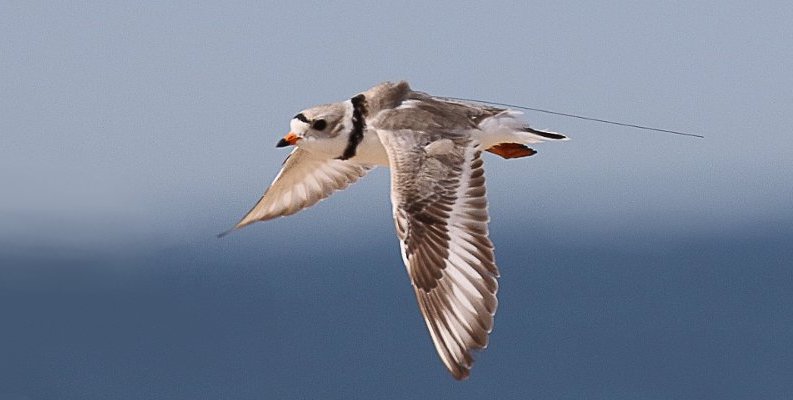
point(302, 117)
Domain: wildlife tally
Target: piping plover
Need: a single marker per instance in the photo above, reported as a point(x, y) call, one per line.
point(433, 146)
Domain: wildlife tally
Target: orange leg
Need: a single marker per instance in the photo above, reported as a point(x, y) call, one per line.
point(512, 150)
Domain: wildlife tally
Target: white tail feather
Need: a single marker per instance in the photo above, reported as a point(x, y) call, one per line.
point(508, 127)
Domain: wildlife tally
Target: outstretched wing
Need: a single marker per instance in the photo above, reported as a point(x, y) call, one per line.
point(440, 211)
point(304, 180)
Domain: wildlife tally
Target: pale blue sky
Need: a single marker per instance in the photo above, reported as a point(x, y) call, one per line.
point(161, 118)
point(635, 264)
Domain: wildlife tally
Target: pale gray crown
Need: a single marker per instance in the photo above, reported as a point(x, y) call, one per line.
point(325, 120)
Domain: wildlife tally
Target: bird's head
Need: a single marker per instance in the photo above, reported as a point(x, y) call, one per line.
point(316, 124)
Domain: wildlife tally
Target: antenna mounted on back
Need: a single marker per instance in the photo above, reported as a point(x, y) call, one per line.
point(605, 121)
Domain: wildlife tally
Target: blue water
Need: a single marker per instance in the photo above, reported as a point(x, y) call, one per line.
point(602, 318)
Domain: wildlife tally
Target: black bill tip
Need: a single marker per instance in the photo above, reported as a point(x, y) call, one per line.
point(282, 143)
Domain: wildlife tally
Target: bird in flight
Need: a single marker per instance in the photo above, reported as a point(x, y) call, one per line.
point(433, 146)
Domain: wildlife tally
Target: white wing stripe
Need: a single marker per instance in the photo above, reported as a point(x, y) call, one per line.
point(466, 313)
point(461, 280)
point(462, 298)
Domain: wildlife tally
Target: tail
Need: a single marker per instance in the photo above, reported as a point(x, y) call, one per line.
point(506, 135)
point(548, 135)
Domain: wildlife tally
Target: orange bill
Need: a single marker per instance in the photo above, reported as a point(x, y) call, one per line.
point(289, 140)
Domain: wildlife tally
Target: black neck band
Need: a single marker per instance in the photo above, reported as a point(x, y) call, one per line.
point(358, 126)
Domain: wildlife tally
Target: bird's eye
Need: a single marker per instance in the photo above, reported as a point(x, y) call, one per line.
point(319, 124)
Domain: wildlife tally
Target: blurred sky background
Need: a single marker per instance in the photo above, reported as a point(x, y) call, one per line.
point(634, 264)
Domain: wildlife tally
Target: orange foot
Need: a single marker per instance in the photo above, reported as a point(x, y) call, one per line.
point(512, 150)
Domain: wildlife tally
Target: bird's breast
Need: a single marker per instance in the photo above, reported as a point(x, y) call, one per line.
point(371, 150)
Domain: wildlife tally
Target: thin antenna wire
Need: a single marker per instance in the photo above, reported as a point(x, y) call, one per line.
point(577, 116)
